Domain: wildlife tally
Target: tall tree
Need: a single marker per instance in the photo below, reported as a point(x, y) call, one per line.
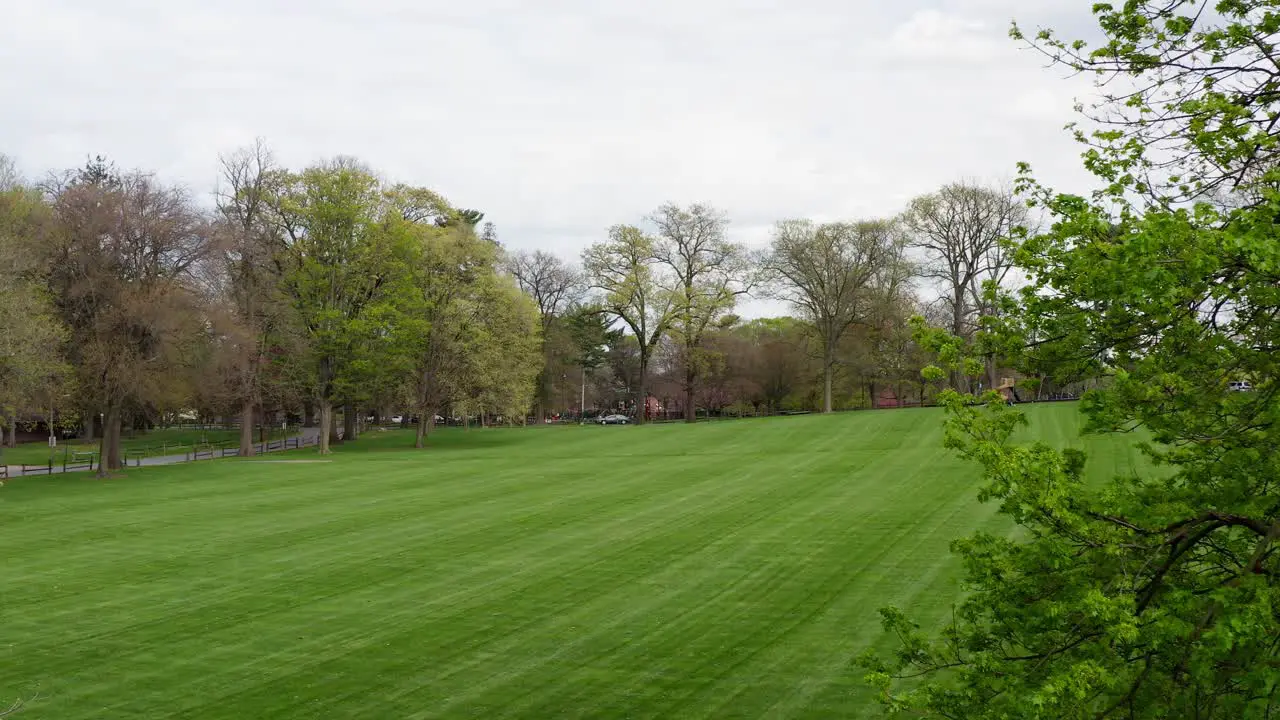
point(959, 230)
point(636, 291)
point(450, 266)
point(591, 334)
point(710, 274)
point(32, 370)
point(500, 352)
point(553, 285)
point(121, 278)
point(827, 272)
point(1152, 595)
point(248, 243)
point(340, 270)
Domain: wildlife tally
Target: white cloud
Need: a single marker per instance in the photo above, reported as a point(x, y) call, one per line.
point(941, 36)
point(557, 118)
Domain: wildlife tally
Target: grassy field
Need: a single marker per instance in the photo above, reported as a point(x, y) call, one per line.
point(166, 441)
point(723, 570)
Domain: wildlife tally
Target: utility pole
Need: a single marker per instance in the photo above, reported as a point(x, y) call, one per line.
point(582, 404)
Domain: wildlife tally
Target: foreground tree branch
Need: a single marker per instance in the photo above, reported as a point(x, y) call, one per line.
point(1154, 594)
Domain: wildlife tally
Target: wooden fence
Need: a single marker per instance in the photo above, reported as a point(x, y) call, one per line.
point(162, 454)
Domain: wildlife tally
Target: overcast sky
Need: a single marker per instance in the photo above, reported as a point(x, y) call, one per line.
point(556, 118)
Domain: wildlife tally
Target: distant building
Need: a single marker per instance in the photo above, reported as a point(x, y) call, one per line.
point(887, 398)
point(652, 408)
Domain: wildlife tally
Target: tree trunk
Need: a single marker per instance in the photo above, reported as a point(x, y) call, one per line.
point(958, 379)
point(246, 429)
point(326, 424)
point(90, 421)
point(544, 383)
point(642, 392)
point(109, 449)
point(827, 371)
point(992, 371)
point(335, 437)
point(308, 414)
point(348, 421)
point(426, 423)
point(12, 440)
point(690, 411)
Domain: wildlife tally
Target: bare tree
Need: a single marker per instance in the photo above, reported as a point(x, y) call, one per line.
point(554, 286)
point(551, 282)
point(247, 244)
point(959, 230)
point(10, 178)
point(710, 274)
point(828, 272)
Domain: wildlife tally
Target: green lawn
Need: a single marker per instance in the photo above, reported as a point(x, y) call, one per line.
point(167, 441)
point(728, 569)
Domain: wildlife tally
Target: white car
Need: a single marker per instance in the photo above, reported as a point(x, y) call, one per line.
point(1240, 385)
point(614, 419)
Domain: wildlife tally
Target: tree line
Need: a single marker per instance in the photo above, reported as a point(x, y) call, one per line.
point(331, 294)
point(132, 302)
point(672, 284)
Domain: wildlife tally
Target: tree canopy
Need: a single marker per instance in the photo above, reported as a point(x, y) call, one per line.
point(1154, 594)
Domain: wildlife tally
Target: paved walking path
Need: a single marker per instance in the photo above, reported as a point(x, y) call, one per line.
point(308, 436)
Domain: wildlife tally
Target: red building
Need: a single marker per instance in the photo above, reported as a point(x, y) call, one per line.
point(652, 408)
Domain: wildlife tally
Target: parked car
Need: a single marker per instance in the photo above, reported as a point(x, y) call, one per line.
point(613, 420)
point(1240, 385)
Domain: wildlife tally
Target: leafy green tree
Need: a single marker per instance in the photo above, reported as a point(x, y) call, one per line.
point(32, 369)
point(451, 264)
point(344, 267)
point(1153, 595)
point(636, 291)
point(554, 286)
point(591, 334)
point(501, 354)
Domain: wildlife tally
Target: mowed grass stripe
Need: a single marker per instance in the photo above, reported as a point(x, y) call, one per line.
point(722, 570)
point(345, 575)
point(590, 557)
